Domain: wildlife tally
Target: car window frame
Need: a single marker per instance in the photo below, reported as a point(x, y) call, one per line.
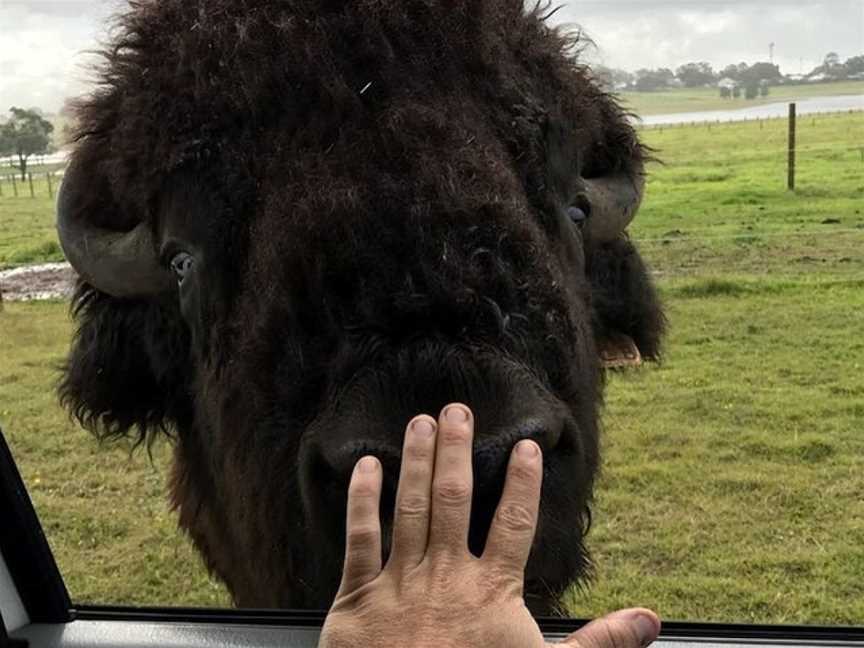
point(35, 574)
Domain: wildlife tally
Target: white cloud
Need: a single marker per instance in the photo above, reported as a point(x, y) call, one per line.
point(43, 50)
point(703, 23)
point(667, 33)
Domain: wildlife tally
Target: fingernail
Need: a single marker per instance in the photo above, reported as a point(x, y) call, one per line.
point(422, 428)
point(646, 628)
point(527, 449)
point(456, 414)
point(367, 464)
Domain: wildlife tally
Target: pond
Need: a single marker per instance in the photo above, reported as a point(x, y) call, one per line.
point(839, 103)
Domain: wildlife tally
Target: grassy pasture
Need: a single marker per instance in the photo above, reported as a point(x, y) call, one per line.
point(27, 233)
point(698, 99)
point(733, 484)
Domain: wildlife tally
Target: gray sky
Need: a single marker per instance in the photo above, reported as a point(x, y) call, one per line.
point(41, 41)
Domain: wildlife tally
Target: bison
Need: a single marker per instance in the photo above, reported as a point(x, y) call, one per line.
point(298, 223)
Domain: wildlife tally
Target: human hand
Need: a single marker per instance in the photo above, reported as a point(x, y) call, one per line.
point(433, 591)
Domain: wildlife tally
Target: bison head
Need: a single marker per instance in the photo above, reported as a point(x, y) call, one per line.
point(298, 224)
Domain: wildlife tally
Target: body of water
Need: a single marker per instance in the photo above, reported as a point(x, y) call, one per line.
point(839, 103)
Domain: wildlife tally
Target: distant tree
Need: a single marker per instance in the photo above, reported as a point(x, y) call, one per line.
point(650, 80)
point(693, 75)
point(649, 83)
point(622, 78)
point(613, 78)
point(25, 133)
point(832, 67)
point(762, 71)
point(729, 72)
point(854, 65)
point(764, 89)
point(751, 90)
point(725, 92)
point(832, 59)
point(736, 92)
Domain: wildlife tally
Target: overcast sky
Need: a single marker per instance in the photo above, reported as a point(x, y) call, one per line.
point(42, 41)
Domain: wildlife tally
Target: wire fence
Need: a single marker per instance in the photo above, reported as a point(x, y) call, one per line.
point(708, 123)
point(42, 184)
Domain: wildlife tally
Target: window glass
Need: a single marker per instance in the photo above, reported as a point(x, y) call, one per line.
point(731, 487)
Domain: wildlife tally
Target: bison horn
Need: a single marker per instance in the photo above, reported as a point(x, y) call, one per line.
point(119, 263)
point(614, 200)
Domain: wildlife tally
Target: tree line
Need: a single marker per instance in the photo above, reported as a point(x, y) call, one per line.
point(700, 74)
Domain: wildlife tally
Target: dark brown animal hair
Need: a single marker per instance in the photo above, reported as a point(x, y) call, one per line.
point(370, 183)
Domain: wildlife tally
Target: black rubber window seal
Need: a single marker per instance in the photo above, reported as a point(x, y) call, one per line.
point(25, 549)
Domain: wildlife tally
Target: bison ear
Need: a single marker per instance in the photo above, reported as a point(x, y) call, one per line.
point(624, 300)
point(126, 373)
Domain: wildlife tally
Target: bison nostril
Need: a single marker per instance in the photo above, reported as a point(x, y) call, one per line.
point(491, 453)
point(340, 461)
point(546, 433)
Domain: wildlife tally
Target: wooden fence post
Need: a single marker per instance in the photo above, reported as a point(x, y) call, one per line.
point(30, 180)
point(790, 183)
point(50, 188)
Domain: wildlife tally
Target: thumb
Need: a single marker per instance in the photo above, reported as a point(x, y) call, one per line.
point(633, 628)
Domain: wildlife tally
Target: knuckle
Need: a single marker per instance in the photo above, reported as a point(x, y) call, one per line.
point(362, 489)
point(451, 436)
point(619, 635)
point(362, 535)
point(453, 492)
point(515, 517)
point(524, 473)
point(412, 506)
point(417, 453)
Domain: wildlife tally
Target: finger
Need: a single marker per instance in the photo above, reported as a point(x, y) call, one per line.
point(363, 526)
point(515, 522)
point(632, 628)
point(452, 482)
point(413, 498)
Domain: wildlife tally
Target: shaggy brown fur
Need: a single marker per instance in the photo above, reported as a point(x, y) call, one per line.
point(373, 193)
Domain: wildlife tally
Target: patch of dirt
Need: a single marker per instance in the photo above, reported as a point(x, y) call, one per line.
point(42, 281)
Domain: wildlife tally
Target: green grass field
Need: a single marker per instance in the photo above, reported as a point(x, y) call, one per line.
point(733, 481)
point(27, 233)
point(699, 99)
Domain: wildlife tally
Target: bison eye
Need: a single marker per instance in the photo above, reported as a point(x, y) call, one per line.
point(579, 211)
point(181, 265)
point(577, 215)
